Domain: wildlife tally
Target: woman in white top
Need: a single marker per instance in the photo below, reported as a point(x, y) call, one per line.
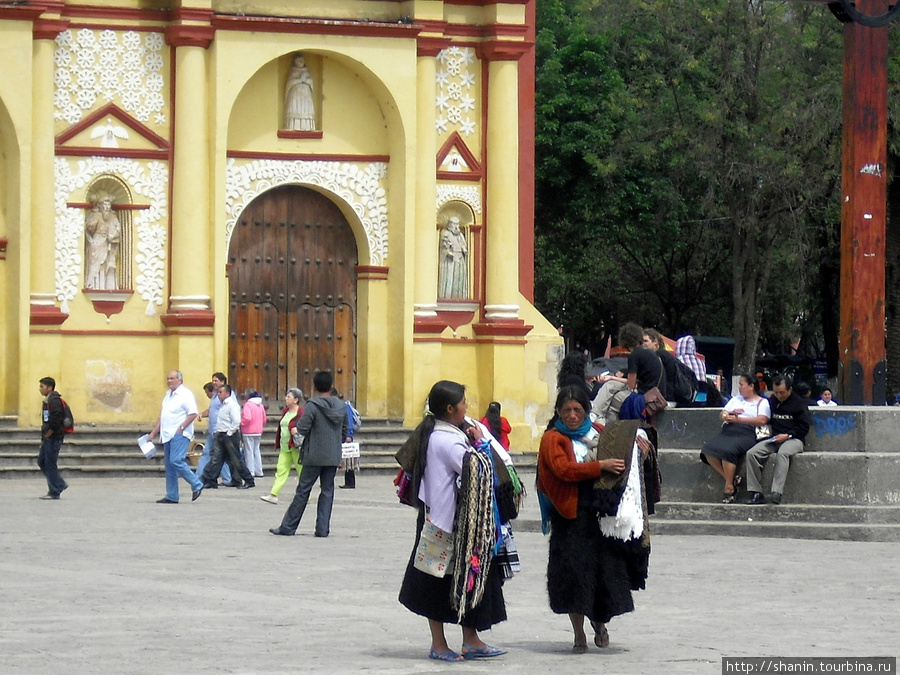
point(740, 418)
point(443, 449)
point(826, 399)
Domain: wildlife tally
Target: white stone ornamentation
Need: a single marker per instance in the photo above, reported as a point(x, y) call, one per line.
point(105, 65)
point(469, 194)
point(146, 178)
point(361, 185)
point(454, 80)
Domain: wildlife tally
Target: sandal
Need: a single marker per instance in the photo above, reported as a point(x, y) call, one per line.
point(601, 635)
point(579, 648)
point(481, 652)
point(728, 497)
point(450, 656)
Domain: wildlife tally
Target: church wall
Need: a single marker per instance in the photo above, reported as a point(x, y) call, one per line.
point(374, 86)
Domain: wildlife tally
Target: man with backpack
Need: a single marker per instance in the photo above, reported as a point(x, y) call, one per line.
point(681, 384)
point(52, 435)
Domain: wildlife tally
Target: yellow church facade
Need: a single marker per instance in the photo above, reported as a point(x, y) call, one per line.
point(269, 189)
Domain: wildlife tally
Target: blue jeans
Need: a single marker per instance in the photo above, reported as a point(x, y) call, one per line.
point(176, 465)
point(208, 445)
point(308, 476)
point(47, 461)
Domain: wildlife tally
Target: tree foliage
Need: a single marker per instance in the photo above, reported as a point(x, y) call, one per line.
point(688, 166)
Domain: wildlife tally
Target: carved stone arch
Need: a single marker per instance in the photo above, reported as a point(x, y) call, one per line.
point(358, 190)
point(120, 195)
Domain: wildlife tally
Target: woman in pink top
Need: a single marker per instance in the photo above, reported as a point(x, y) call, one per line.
point(253, 419)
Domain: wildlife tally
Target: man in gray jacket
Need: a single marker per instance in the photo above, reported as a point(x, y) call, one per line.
point(324, 428)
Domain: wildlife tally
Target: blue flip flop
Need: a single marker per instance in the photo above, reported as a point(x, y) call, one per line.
point(451, 656)
point(481, 652)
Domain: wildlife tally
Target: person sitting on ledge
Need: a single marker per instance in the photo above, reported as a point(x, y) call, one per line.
point(791, 421)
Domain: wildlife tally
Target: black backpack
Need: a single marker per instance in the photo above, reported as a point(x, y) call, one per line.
point(686, 384)
point(68, 422)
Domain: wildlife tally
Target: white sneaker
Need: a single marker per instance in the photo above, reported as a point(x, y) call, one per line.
point(270, 499)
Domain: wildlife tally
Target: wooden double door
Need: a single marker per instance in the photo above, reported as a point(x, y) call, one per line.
point(292, 287)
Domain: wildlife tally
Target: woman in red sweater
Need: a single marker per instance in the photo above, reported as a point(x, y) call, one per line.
point(589, 573)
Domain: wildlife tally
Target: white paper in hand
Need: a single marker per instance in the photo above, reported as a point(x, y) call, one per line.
point(146, 446)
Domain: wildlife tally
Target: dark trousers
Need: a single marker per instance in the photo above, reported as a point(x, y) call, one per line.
point(48, 458)
point(308, 477)
point(226, 448)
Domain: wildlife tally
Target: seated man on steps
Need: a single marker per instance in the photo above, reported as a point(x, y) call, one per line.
point(790, 424)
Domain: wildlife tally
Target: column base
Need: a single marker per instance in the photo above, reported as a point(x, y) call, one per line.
point(44, 312)
point(189, 311)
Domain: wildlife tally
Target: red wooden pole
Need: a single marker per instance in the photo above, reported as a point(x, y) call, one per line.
point(863, 212)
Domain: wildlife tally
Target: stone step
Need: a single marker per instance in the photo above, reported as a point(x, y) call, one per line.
point(829, 531)
point(830, 478)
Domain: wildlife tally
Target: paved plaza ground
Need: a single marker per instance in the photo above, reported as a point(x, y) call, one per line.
point(107, 581)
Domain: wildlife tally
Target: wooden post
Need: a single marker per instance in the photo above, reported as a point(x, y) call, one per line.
point(863, 211)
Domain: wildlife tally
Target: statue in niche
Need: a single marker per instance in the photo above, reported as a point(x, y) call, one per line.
point(102, 235)
point(299, 108)
point(453, 273)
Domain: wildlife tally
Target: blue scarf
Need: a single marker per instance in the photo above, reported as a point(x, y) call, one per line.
point(573, 433)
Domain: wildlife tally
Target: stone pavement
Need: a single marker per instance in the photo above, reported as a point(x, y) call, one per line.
point(107, 581)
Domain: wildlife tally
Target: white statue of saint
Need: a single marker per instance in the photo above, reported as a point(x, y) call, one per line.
point(299, 108)
point(102, 235)
point(453, 274)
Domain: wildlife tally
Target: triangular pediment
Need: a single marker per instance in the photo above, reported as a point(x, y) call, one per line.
point(456, 162)
point(109, 130)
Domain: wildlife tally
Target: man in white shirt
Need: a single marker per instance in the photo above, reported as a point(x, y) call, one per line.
point(227, 444)
point(176, 429)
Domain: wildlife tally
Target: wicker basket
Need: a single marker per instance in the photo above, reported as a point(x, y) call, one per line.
point(194, 453)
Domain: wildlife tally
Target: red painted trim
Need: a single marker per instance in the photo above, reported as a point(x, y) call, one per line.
point(107, 302)
point(126, 153)
point(488, 3)
point(190, 319)
point(527, 66)
point(115, 207)
point(112, 110)
point(428, 325)
point(501, 50)
point(46, 315)
point(315, 26)
point(475, 171)
point(502, 329)
point(20, 12)
point(119, 13)
point(111, 333)
point(48, 29)
point(431, 46)
point(307, 157)
point(506, 30)
point(190, 35)
point(118, 27)
point(4, 242)
point(285, 133)
point(372, 272)
point(476, 340)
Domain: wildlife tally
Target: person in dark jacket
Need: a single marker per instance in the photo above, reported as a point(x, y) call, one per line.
point(790, 425)
point(324, 427)
point(52, 435)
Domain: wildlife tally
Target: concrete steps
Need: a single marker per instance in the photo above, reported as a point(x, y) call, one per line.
point(112, 451)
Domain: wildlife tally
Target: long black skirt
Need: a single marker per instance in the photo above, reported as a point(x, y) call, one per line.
point(730, 444)
point(587, 572)
point(429, 596)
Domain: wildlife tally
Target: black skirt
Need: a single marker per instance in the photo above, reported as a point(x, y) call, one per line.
point(730, 444)
point(429, 596)
point(587, 572)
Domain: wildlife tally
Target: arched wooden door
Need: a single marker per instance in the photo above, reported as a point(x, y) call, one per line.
point(292, 285)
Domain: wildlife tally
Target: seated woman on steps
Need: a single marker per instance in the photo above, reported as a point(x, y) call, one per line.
point(740, 418)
